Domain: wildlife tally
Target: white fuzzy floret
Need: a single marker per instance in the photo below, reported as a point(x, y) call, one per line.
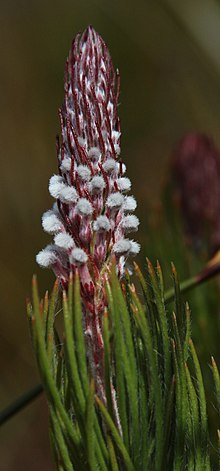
point(46, 257)
point(84, 207)
point(65, 164)
point(129, 203)
point(51, 223)
point(102, 223)
point(55, 185)
point(64, 240)
point(130, 223)
point(135, 247)
point(97, 184)
point(122, 247)
point(68, 194)
point(83, 172)
point(94, 153)
point(78, 256)
point(110, 165)
point(115, 200)
point(124, 184)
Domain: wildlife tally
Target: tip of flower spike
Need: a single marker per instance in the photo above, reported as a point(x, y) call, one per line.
point(78, 257)
point(46, 257)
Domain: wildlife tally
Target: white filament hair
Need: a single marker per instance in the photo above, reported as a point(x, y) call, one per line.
point(122, 247)
point(84, 207)
point(130, 223)
point(68, 194)
point(83, 172)
point(123, 184)
point(109, 165)
point(94, 153)
point(135, 247)
point(129, 203)
point(115, 200)
point(51, 223)
point(102, 223)
point(97, 184)
point(78, 256)
point(64, 240)
point(47, 257)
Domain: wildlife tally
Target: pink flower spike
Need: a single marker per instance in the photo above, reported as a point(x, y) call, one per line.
point(92, 213)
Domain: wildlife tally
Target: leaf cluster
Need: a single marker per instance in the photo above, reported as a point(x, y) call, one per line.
point(154, 416)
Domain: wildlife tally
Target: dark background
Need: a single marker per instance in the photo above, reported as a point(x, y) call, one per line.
point(169, 60)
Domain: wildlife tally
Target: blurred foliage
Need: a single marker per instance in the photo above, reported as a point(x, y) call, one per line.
point(167, 53)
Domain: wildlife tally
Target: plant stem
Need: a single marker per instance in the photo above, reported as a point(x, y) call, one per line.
point(20, 403)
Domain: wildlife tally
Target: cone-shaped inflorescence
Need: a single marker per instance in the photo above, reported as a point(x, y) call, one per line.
point(196, 166)
point(92, 215)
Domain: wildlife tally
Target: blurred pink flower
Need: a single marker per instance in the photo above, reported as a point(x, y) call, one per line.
point(196, 166)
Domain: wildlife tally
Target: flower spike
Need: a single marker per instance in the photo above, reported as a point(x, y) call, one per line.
point(92, 213)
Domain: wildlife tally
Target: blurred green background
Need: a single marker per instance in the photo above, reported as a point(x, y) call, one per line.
point(168, 53)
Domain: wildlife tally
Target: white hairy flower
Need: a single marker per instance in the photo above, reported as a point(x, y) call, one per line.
point(78, 257)
point(102, 223)
point(110, 165)
point(83, 172)
point(123, 184)
point(65, 164)
point(130, 223)
point(51, 223)
point(135, 248)
point(122, 247)
point(129, 204)
point(84, 207)
point(46, 257)
point(64, 240)
point(68, 194)
point(115, 201)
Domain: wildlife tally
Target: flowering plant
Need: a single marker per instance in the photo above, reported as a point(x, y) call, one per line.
point(122, 378)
